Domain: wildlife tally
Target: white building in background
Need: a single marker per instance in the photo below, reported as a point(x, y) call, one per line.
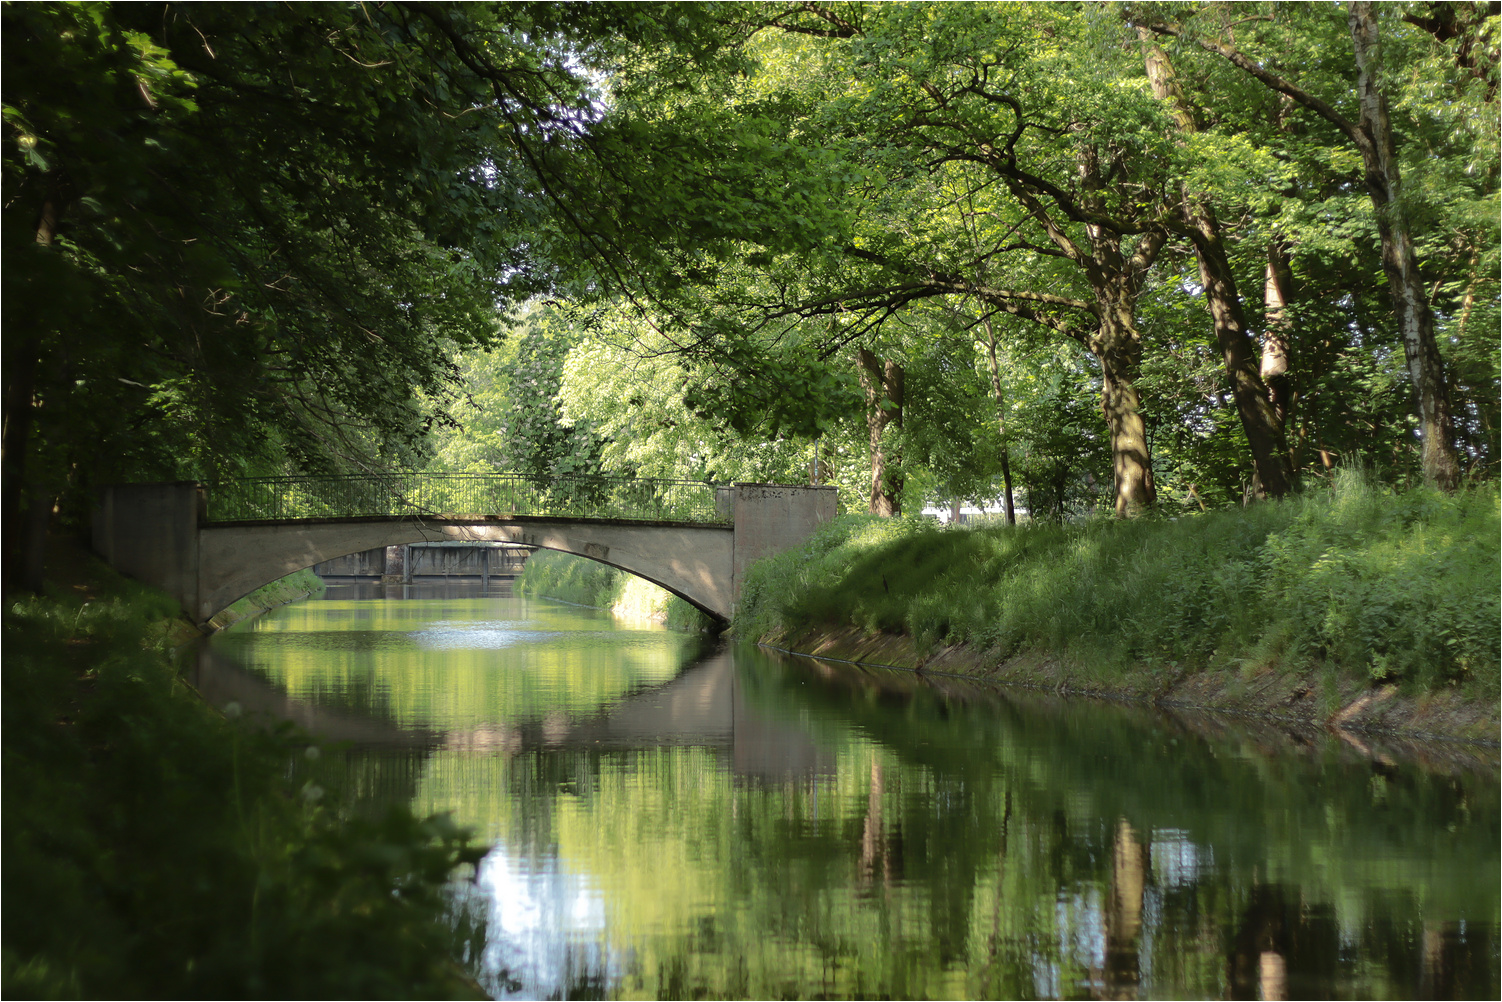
point(994, 511)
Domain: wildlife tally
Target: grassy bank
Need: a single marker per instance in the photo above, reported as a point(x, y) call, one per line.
point(1349, 583)
point(563, 576)
point(156, 848)
point(297, 585)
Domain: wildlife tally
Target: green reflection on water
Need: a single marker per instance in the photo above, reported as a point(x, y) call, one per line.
point(449, 664)
point(672, 824)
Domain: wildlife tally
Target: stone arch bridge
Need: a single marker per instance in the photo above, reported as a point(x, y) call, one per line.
point(210, 546)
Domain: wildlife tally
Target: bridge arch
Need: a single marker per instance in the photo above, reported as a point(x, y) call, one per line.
point(693, 562)
point(159, 534)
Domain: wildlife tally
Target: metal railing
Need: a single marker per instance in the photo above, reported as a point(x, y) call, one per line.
point(441, 495)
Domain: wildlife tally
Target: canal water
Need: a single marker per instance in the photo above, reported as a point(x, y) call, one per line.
point(678, 818)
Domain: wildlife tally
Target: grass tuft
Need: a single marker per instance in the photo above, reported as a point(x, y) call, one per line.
point(1398, 587)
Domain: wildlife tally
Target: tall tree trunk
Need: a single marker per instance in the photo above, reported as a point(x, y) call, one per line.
point(1425, 366)
point(1277, 293)
point(1001, 421)
point(1373, 139)
point(1118, 348)
point(884, 392)
point(1259, 419)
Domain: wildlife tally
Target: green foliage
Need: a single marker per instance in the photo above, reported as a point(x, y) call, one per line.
point(156, 848)
point(912, 120)
point(246, 265)
point(242, 238)
point(1400, 587)
point(567, 578)
point(1404, 584)
point(511, 418)
point(653, 408)
point(581, 581)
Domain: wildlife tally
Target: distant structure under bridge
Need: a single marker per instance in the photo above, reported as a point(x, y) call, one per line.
point(417, 563)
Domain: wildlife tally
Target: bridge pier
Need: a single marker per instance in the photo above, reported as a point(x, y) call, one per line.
point(160, 535)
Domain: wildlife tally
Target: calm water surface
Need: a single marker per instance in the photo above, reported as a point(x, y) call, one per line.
point(679, 819)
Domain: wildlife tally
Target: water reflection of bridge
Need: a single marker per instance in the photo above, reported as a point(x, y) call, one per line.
point(705, 705)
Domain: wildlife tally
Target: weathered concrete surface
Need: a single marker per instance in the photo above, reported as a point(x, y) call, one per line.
point(693, 562)
point(770, 518)
point(150, 532)
point(156, 533)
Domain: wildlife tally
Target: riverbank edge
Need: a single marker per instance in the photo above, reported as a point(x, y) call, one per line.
point(1309, 698)
point(284, 591)
point(624, 613)
point(588, 584)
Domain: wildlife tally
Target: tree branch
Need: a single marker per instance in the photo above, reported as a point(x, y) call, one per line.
point(1238, 59)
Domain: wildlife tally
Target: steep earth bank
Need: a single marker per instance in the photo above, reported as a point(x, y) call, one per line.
point(1307, 698)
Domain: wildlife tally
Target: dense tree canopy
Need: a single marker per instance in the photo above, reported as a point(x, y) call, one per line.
point(1120, 254)
point(244, 236)
point(1184, 200)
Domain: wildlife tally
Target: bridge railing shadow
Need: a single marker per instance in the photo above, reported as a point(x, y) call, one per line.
point(461, 494)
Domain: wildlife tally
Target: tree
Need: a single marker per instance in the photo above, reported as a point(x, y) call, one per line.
point(1260, 419)
point(1372, 134)
point(247, 237)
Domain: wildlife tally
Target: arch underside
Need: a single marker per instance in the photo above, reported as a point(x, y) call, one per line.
point(693, 562)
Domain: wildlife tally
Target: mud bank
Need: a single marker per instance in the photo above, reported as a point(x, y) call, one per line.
point(1310, 699)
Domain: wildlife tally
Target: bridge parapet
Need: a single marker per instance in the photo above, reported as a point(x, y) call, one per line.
point(489, 495)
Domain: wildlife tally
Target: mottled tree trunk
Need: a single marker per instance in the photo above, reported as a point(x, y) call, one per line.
point(1118, 348)
point(1277, 292)
point(1259, 419)
point(1001, 421)
point(884, 392)
point(1425, 367)
point(821, 466)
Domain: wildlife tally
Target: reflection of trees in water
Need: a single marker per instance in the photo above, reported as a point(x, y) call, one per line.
point(371, 780)
point(1282, 946)
point(881, 843)
point(1142, 908)
point(955, 841)
point(1123, 913)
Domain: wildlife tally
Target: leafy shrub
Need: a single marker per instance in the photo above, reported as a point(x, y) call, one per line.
point(155, 848)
